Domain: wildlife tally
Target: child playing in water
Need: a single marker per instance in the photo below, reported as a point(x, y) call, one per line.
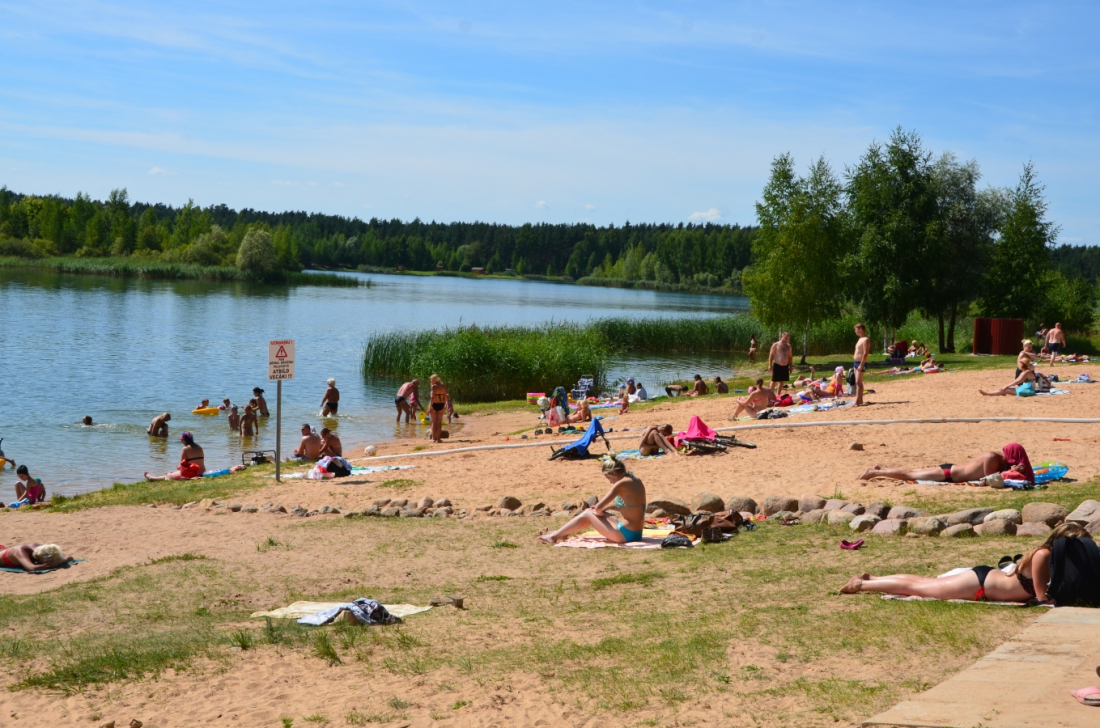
point(248, 421)
point(234, 419)
point(204, 405)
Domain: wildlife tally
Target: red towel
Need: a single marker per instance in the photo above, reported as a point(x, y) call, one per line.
point(697, 429)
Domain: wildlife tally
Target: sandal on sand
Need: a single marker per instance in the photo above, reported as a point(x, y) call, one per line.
point(850, 546)
point(1087, 696)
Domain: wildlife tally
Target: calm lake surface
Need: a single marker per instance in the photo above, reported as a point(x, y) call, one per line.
point(123, 350)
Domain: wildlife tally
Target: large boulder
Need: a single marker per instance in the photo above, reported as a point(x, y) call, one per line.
point(856, 509)
point(834, 504)
point(1033, 529)
point(776, 503)
point(926, 526)
point(1093, 527)
point(996, 527)
point(809, 503)
point(960, 530)
point(1005, 514)
point(1087, 511)
point(670, 504)
point(814, 516)
point(863, 523)
point(1049, 513)
point(902, 512)
point(891, 527)
point(880, 510)
point(708, 502)
point(973, 516)
point(509, 502)
point(839, 518)
point(740, 504)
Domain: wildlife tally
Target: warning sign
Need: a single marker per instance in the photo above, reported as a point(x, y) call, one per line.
point(280, 359)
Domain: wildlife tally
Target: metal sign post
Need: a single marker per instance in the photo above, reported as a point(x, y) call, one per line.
point(280, 366)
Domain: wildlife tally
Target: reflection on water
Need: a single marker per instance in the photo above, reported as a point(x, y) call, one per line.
point(124, 350)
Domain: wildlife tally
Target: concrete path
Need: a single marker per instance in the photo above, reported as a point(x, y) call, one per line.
point(1024, 683)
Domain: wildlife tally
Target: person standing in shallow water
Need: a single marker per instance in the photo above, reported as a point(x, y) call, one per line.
point(159, 426)
point(261, 403)
point(330, 403)
point(438, 404)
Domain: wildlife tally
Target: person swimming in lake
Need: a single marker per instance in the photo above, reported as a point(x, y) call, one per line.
point(627, 496)
point(1011, 461)
point(226, 405)
point(330, 403)
point(205, 404)
point(234, 419)
point(28, 489)
point(192, 462)
point(330, 444)
point(655, 439)
point(1027, 580)
point(159, 426)
point(86, 421)
point(248, 421)
point(260, 405)
point(33, 556)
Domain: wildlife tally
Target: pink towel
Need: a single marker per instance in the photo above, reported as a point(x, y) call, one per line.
point(697, 429)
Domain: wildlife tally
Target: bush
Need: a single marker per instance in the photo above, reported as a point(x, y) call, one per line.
point(257, 253)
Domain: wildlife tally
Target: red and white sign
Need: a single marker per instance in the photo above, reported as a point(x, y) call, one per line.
point(280, 359)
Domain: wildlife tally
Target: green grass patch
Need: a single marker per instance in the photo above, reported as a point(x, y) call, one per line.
point(492, 578)
point(400, 483)
point(172, 492)
point(645, 578)
point(178, 557)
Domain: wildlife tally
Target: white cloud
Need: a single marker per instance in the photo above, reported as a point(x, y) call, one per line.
point(541, 204)
point(159, 170)
point(711, 215)
point(589, 206)
point(281, 183)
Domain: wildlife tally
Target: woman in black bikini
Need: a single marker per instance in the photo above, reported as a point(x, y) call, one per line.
point(439, 403)
point(1011, 461)
point(1027, 581)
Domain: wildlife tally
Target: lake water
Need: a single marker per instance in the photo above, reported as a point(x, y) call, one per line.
point(123, 350)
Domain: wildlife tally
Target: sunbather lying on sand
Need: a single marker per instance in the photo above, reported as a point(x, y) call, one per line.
point(33, 556)
point(1027, 581)
point(656, 439)
point(1011, 462)
point(1027, 374)
point(758, 398)
point(627, 495)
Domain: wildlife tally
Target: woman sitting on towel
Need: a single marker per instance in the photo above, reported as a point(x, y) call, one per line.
point(1027, 374)
point(1011, 461)
point(1028, 580)
point(192, 462)
point(33, 556)
point(759, 398)
point(627, 495)
point(655, 439)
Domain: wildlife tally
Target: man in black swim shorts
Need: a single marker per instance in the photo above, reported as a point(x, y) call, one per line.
point(779, 362)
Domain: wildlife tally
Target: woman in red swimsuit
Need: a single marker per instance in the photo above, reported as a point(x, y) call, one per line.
point(192, 462)
point(33, 556)
point(1027, 581)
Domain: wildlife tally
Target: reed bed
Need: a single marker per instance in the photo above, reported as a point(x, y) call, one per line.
point(491, 364)
point(151, 268)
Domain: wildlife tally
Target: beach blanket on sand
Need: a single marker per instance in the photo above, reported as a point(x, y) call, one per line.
point(1007, 569)
point(819, 406)
point(297, 610)
point(355, 470)
point(42, 571)
point(637, 455)
point(651, 539)
point(1053, 391)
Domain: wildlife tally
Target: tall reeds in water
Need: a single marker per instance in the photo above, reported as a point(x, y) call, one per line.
point(491, 364)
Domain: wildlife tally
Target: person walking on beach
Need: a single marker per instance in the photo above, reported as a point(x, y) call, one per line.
point(438, 402)
point(859, 360)
point(753, 346)
point(331, 401)
point(1056, 339)
point(159, 426)
point(261, 403)
point(407, 400)
point(779, 362)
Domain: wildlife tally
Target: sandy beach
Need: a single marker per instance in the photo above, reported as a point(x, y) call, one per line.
point(411, 560)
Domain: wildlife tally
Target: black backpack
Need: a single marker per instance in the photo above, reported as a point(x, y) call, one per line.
point(1075, 573)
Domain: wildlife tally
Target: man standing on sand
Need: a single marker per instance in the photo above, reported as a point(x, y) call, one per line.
point(859, 360)
point(779, 362)
point(1056, 339)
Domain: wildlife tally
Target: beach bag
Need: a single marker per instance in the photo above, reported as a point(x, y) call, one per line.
point(676, 541)
point(785, 401)
point(1025, 390)
point(692, 525)
point(1074, 573)
point(850, 377)
point(995, 480)
point(1042, 382)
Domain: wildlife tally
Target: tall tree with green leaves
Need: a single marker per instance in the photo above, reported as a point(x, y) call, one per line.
point(961, 243)
point(892, 201)
point(794, 279)
point(1021, 257)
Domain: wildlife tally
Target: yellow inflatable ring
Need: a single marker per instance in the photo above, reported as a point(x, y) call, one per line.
point(206, 411)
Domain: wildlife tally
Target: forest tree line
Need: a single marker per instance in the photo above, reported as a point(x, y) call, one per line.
point(706, 255)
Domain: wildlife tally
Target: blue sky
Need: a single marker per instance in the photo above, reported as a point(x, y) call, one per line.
point(557, 112)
